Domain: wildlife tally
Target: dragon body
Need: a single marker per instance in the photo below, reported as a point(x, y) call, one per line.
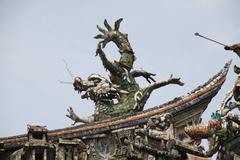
point(121, 94)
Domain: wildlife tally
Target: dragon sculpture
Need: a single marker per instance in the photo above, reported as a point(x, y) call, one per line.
point(122, 86)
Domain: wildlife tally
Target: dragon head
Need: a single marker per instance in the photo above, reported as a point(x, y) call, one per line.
point(96, 88)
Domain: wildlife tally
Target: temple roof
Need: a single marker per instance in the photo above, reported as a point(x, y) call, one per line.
point(193, 99)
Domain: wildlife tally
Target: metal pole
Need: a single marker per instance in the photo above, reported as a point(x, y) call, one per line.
point(199, 35)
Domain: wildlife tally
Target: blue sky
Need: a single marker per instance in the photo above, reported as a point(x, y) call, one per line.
point(36, 35)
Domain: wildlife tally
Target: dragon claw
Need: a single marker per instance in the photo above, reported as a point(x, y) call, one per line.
point(99, 36)
point(117, 24)
point(101, 29)
point(149, 77)
point(113, 34)
point(109, 28)
point(176, 80)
